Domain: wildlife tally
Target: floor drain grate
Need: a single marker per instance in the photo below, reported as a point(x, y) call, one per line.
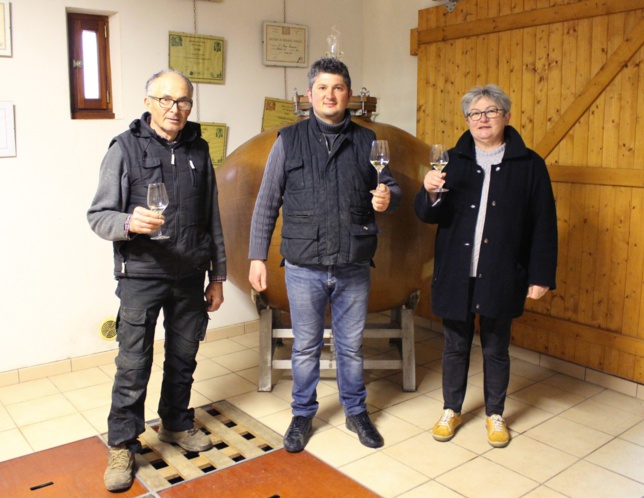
point(236, 437)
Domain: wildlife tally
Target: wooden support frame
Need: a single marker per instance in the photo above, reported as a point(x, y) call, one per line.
point(400, 330)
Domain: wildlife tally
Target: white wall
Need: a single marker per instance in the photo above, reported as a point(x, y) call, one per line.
point(389, 69)
point(56, 284)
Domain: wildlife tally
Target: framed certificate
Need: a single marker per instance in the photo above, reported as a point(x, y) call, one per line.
point(277, 113)
point(5, 29)
point(215, 134)
point(285, 44)
point(7, 130)
point(199, 57)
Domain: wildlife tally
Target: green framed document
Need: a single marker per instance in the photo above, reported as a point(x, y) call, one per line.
point(277, 113)
point(215, 134)
point(199, 57)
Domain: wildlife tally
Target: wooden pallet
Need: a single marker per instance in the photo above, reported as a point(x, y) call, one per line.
point(235, 435)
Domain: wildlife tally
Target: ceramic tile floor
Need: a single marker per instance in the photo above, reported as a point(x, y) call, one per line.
point(570, 438)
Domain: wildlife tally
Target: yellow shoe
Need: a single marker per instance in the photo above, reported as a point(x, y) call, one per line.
point(497, 431)
point(445, 428)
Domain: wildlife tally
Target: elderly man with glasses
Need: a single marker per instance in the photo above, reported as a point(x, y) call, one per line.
point(496, 245)
point(152, 274)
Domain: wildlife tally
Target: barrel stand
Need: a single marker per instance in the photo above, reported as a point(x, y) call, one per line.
point(399, 330)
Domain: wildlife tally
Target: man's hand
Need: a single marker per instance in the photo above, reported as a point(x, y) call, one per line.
point(145, 221)
point(214, 295)
point(381, 198)
point(536, 291)
point(257, 275)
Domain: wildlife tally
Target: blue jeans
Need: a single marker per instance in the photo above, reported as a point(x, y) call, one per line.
point(310, 289)
point(185, 323)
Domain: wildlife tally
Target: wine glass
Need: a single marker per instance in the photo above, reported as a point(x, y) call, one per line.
point(438, 159)
point(379, 156)
point(157, 202)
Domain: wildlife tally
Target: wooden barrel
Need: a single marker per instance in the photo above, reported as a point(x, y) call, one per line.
point(405, 245)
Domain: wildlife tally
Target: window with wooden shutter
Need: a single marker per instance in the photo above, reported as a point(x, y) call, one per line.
point(89, 66)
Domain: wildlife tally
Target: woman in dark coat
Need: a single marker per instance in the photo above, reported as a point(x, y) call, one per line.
point(496, 245)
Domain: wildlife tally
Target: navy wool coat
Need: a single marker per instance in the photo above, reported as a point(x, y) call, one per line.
point(519, 242)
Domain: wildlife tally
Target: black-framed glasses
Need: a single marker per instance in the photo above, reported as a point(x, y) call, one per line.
point(166, 103)
point(490, 113)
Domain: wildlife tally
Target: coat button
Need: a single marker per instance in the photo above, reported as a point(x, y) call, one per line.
point(494, 203)
point(480, 275)
point(485, 241)
point(473, 206)
point(478, 306)
point(365, 228)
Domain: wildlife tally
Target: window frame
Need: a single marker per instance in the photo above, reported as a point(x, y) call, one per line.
point(81, 107)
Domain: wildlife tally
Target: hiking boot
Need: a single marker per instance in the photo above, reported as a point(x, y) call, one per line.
point(120, 469)
point(497, 431)
point(297, 434)
point(445, 428)
point(191, 440)
point(367, 432)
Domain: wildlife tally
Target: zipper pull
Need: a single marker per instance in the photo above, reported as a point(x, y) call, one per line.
point(122, 266)
point(172, 161)
point(191, 164)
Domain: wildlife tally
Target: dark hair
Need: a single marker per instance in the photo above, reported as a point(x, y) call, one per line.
point(331, 66)
point(163, 72)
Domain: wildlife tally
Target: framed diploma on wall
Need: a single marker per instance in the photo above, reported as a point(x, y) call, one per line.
point(215, 134)
point(7, 130)
point(277, 112)
point(285, 44)
point(5, 29)
point(199, 57)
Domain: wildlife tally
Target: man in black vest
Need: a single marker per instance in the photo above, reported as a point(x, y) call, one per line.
point(318, 171)
point(162, 146)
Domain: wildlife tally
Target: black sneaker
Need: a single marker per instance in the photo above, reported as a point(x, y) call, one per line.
point(367, 432)
point(297, 434)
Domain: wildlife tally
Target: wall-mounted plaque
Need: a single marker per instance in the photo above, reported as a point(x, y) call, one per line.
point(199, 57)
point(5, 29)
point(285, 44)
point(215, 134)
point(7, 130)
point(277, 113)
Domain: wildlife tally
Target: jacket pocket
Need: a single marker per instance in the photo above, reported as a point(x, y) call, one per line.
point(152, 170)
point(294, 174)
point(361, 216)
point(300, 242)
point(364, 240)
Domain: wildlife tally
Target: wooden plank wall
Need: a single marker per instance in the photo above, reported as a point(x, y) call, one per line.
point(574, 71)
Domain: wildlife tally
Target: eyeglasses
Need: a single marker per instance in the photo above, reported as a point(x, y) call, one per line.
point(166, 103)
point(490, 113)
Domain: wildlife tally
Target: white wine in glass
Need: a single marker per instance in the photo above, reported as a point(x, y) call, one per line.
point(379, 156)
point(157, 202)
point(438, 159)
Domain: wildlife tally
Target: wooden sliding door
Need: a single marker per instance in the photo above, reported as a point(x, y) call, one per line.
point(575, 72)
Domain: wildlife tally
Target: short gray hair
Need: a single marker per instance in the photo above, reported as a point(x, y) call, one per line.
point(493, 92)
point(163, 72)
